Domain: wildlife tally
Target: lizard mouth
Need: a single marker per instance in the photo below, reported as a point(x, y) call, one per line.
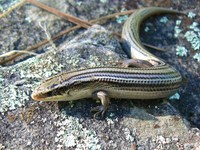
point(37, 97)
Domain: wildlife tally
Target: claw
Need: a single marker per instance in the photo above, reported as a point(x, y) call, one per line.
point(100, 110)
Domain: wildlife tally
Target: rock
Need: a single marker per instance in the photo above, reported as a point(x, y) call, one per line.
point(52, 125)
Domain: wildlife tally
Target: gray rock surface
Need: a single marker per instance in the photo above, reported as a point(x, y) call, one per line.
point(28, 124)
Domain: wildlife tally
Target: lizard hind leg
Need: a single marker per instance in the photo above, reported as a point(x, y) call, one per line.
point(105, 101)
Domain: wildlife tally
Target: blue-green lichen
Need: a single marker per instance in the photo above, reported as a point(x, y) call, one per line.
point(12, 97)
point(197, 57)
point(176, 96)
point(181, 51)
point(103, 1)
point(193, 38)
point(146, 29)
point(191, 15)
point(194, 26)
point(79, 3)
point(177, 29)
point(122, 19)
point(71, 134)
point(164, 19)
point(178, 22)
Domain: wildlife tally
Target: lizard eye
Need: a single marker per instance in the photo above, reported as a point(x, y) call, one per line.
point(50, 94)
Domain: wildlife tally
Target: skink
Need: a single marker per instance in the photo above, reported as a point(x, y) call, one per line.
point(156, 80)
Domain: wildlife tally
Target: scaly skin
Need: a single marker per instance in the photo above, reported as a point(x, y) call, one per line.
point(159, 80)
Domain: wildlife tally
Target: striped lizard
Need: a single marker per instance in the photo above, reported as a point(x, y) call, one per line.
point(144, 76)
